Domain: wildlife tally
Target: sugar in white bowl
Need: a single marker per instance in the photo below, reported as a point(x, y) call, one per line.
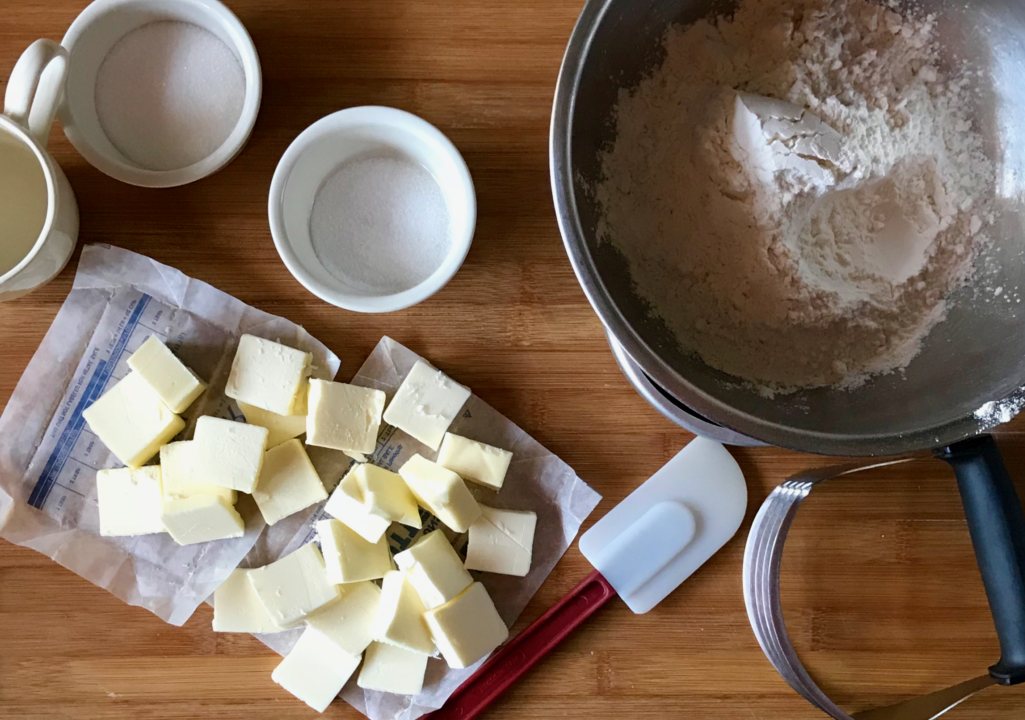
point(168, 94)
point(372, 209)
point(380, 223)
point(181, 89)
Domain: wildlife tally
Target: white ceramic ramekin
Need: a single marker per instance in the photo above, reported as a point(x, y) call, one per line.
point(91, 37)
point(318, 151)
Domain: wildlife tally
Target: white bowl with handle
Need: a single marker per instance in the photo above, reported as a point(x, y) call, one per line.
point(88, 41)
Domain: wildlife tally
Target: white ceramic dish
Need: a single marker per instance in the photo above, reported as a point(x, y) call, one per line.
point(318, 151)
point(91, 37)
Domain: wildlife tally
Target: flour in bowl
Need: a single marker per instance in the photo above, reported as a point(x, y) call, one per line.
point(797, 188)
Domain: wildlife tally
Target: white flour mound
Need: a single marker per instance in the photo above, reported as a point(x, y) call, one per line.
point(776, 256)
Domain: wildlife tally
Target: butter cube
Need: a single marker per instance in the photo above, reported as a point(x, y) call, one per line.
point(129, 501)
point(201, 518)
point(426, 404)
point(474, 461)
point(349, 557)
point(369, 499)
point(269, 375)
point(229, 453)
point(501, 541)
point(315, 671)
point(132, 421)
point(386, 494)
point(355, 516)
point(435, 569)
point(440, 491)
point(238, 609)
point(292, 587)
point(347, 622)
point(467, 627)
point(279, 427)
point(388, 668)
point(344, 417)
point(288, 482)
point(400, 616)
point(175, 384)
point(179, 477)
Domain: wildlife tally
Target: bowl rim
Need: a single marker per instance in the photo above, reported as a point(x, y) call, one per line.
point(229, 149)
point(620, 329)
point(341, 122)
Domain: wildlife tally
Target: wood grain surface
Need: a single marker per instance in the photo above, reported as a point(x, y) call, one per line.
point(881, 589)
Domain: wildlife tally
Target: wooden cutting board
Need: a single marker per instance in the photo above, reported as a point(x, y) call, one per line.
point(881, 589)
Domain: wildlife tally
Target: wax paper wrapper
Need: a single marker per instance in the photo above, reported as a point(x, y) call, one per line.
point(49, 458)
point(537, 481)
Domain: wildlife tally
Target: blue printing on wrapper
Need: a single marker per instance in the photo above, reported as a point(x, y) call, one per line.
point(73, 430)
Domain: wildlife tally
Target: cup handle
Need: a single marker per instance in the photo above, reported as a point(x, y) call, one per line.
point(36, 87)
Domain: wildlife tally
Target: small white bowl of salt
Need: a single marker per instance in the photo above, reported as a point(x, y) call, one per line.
point(372, 209)
point(159, 93)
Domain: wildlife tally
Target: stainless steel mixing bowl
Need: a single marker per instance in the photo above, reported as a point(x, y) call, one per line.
point(976, 356)
point(971, 370)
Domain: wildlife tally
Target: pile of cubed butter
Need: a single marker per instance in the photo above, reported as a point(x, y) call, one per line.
point(427, 602)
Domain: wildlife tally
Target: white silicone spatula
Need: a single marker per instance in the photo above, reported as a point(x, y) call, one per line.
point(642, 550)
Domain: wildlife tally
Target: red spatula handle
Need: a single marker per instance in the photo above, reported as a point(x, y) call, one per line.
point(525, 650)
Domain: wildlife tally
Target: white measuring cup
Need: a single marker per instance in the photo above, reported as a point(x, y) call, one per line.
point(38, 212)
point(92, 35)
